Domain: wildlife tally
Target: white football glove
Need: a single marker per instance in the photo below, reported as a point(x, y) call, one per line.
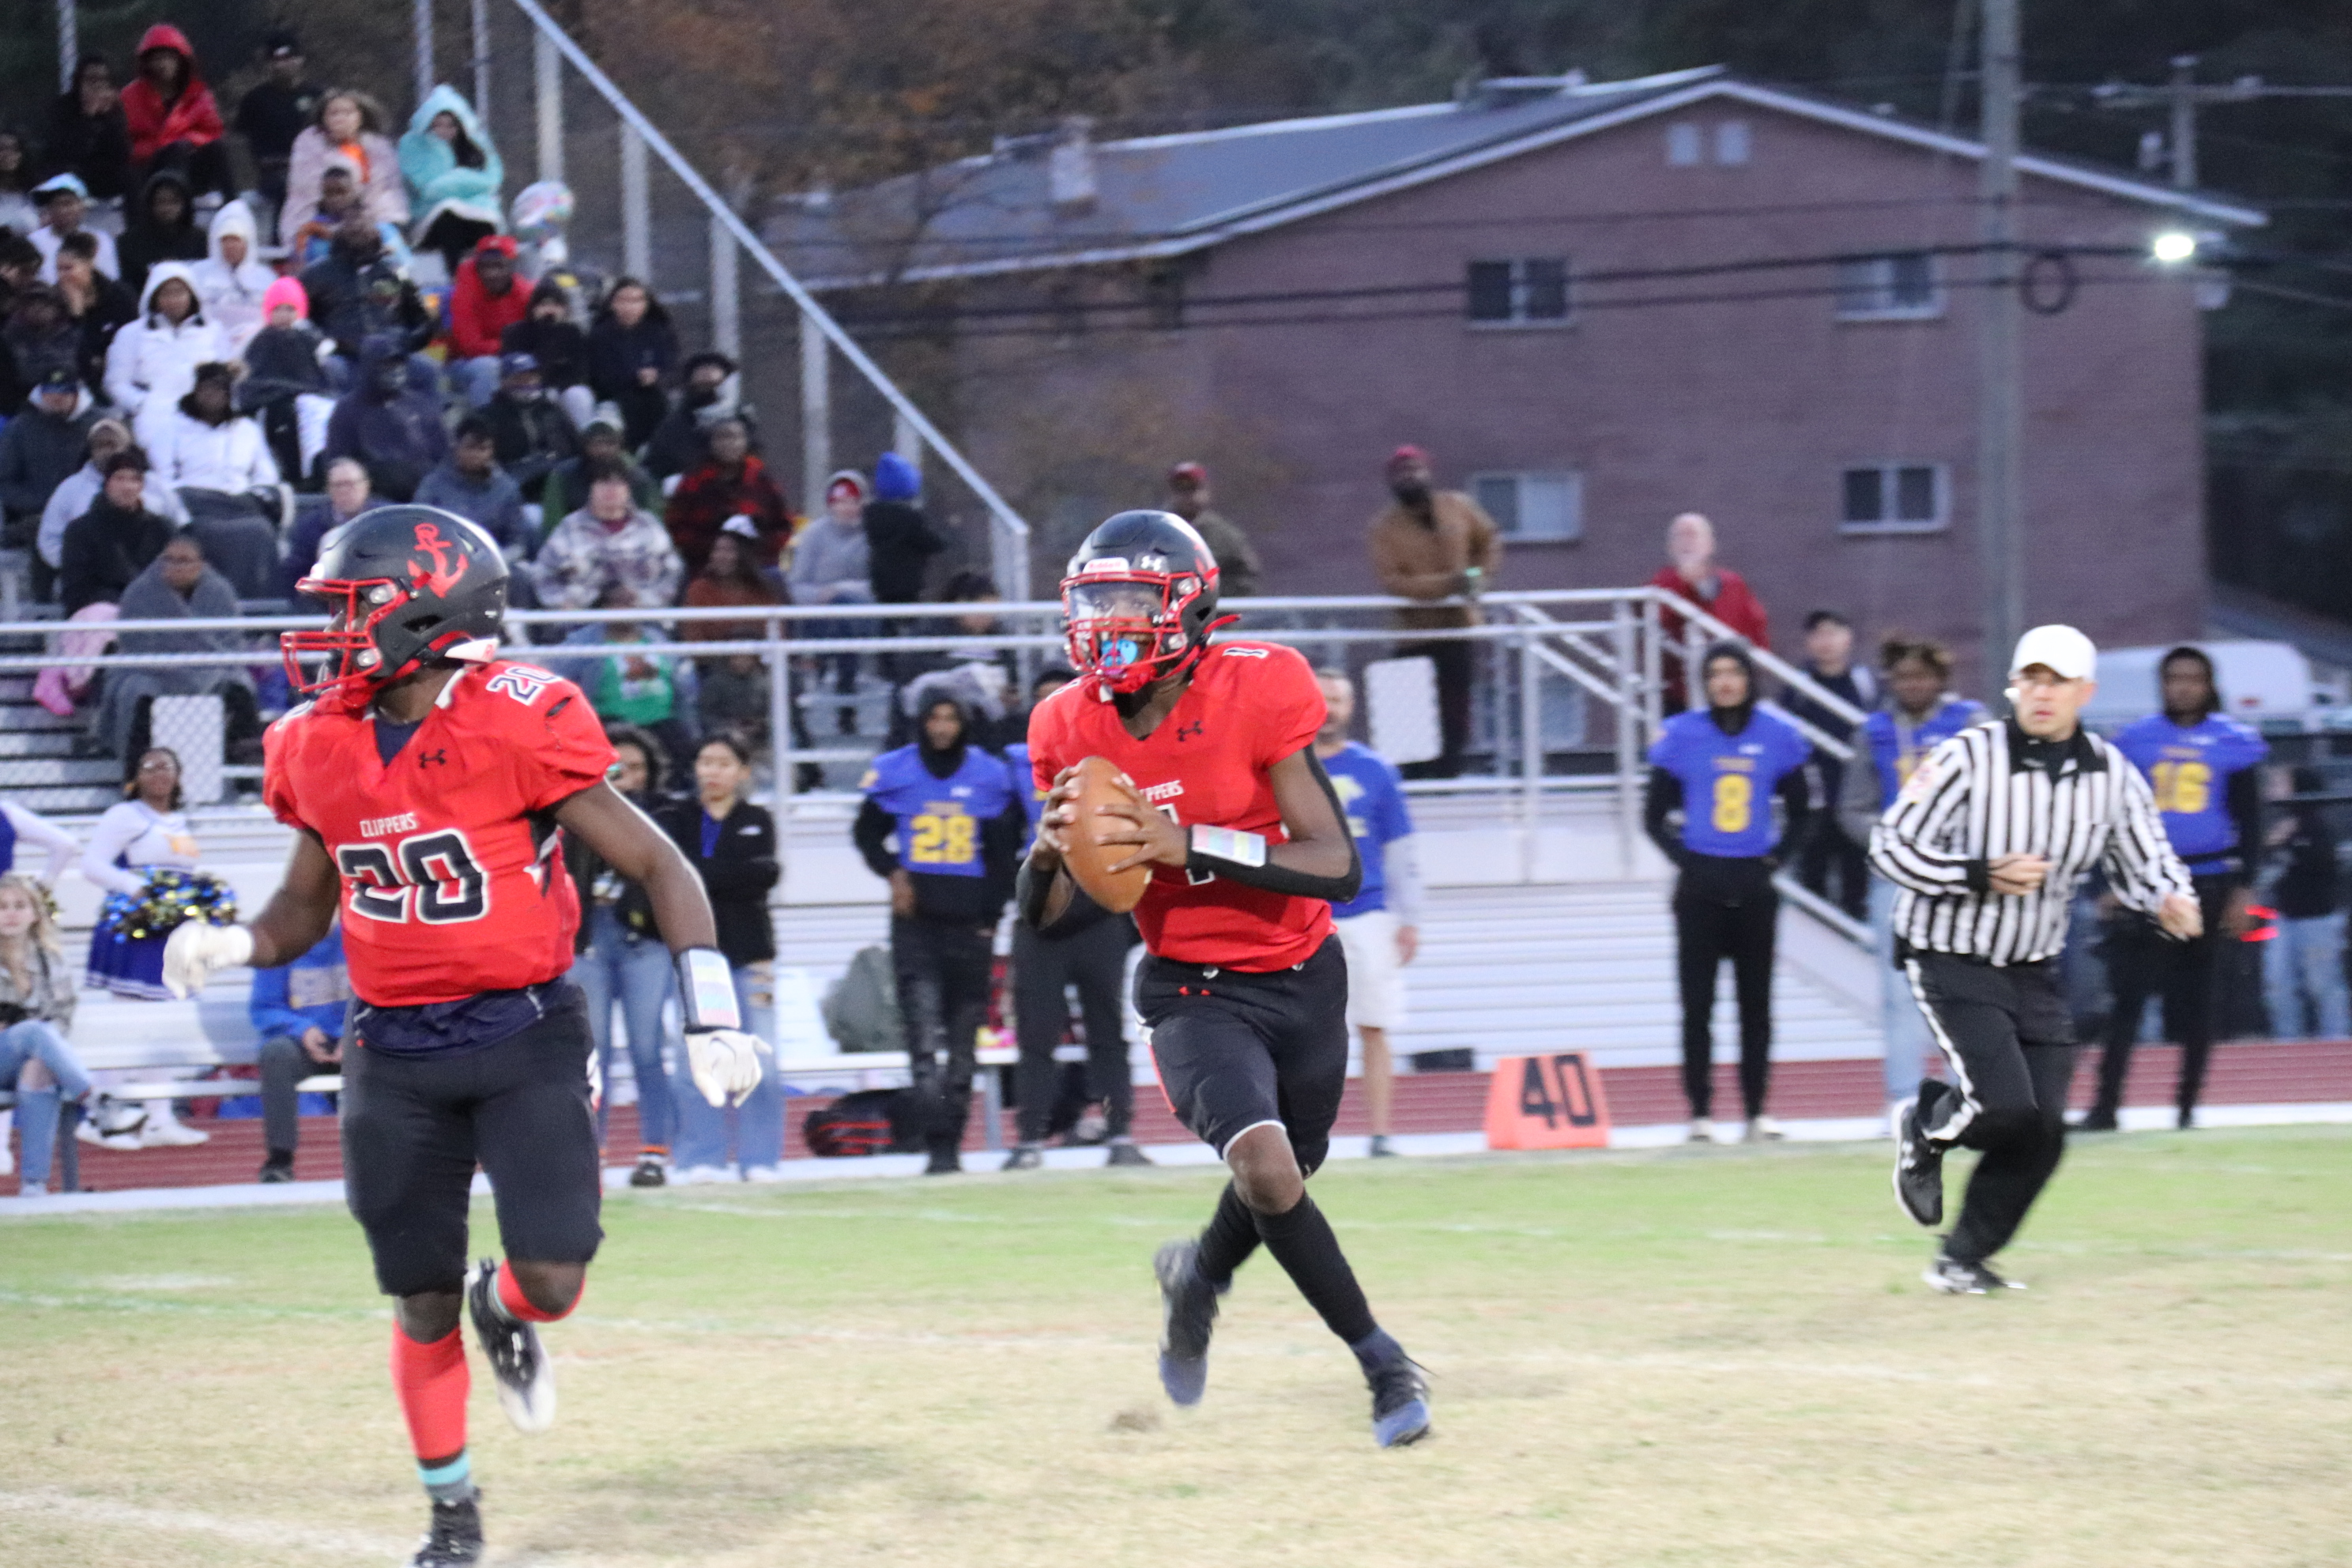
point(726, 1064)
point(195, 950)
point(595, 1082)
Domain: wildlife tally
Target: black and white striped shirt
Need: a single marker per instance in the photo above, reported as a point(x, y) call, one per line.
point(1991, 791)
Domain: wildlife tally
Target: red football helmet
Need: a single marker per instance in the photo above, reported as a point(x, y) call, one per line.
point(1141, 598)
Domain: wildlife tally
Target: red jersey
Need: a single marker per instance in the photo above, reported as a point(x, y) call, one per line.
point(449, 888)
point(1249, 705)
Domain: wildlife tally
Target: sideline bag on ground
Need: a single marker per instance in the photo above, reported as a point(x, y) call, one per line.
point(871, 1122)
point(861, 1012)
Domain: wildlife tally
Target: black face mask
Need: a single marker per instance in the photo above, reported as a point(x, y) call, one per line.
point(392, 379)
point(1412, 492)
point(701, 396)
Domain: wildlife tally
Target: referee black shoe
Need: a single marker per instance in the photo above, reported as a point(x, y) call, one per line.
point(1188, 1312)
point(455, 1539)
point(526, 1380)
point(1953, 1278)
point(1918, 1167)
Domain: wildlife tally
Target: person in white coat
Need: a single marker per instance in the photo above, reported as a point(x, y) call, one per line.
point(156, 355)
point(218, 462)
point(231, 280)
point(72, 497)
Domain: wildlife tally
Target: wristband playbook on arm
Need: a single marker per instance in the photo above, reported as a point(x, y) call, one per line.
point(706, 989)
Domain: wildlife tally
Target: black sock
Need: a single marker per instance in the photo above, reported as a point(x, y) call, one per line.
point(1302, 1242)
point(1231, 1237)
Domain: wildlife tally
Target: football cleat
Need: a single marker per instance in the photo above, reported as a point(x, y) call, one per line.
point(650, 1173)
point(1702, 1129)
point(454, 1538)
point(1123, 1152)
point(1027, 1157)
point(1400, 1403)
point(1953, 1278)
point(526, 1380)
point(1918, 1168)
point(1188, 1312)
point(1763, 1128)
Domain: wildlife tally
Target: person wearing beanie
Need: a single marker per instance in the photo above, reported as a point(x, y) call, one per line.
point(833, 564)
point(1237, 565)
point(1436, 547)
point(899, 539)
point(285, 382)
point(1720, 766)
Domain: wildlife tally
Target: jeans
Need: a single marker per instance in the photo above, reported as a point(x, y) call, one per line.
point(2304, 964)
point(759, 1121)
point(284, 1064)
point(1903, 1025)
point(638, 976)
point(37, 1109)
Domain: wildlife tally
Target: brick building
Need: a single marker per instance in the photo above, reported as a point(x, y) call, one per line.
point(1598, 305)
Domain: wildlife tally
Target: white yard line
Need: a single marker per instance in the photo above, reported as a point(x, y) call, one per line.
point(86, 1510)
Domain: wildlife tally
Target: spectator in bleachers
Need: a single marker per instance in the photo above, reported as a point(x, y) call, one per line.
point(347, 129)
point(38, 990)
point(17, 211)
point(1237, 563)
point(40, 450)
point(75, 493)
point(2302, 963)
point(394, 429)
point(470, 483)
point(899, 538)
point(273, 113)
point(285, 384)
point(298, 1009)
point(231, 280)
point(20, 267)
point(530, 430)
point(1830, 863)
point(831, 565)
point(485, 301)
point(310, 236)
point(180, 585)
point(706, 395)
point(162, 228)
point(152, 361)
point(174, 122)
point(455, 177)
point(566, 490)
point(217, 462)
point(65, 202)
point(619, 957)
point(89, 138)
point(98, 307)
point(631, 348)
point(1692, 572)
point(647, 691)
point(728, 483)
point(549, 334)
point(347, 495)
point(988, 685)
point(734, 688)
point(105, 550)
point(1435, 546)
point(358, 293)
point(609, 539)
point(733, 844)
point(39, 338)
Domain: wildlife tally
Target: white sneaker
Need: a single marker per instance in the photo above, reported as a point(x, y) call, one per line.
point(700, 1176)
point(170, 1131)
point(90, 1132)
point(1762, 1130)
point(1702, 1129)
point(7, 1160)
point(34, 1190)
point(763, 1172)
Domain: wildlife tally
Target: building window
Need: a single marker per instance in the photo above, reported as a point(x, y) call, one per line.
point(1731, 142)
point(1683, 145)
point(1532, 507)
point(1895, 498)
point(1533, 291)
point(1888, 288)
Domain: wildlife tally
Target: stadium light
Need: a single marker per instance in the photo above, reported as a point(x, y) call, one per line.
point(2173, 246)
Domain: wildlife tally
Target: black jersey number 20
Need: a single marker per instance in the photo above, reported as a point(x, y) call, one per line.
point(432, 876)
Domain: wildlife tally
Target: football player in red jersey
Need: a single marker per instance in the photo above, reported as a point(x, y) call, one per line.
point(1246, 988)
point(427, 780)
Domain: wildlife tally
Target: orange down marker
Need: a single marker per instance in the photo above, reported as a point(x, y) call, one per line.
point(1545, 1102)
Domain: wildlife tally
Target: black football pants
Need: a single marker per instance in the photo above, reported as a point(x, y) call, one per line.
point(1094, 961)
point(2142, 962)
point(942, 970)
point(1707, 932)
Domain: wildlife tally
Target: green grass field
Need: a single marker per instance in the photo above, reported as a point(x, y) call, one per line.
point(1708, 1356)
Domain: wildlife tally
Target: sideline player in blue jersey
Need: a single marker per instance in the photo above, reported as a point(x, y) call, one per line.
point(1720, 767)
point(1919, 716)
point(2205, 769)
point(1380, 928)
point(959, 823)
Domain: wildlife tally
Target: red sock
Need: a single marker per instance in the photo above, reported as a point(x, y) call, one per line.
point(518, 1305)
point(432, 1381)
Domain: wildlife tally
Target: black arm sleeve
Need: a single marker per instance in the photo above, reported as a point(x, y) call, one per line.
point(1000, 849)
point(1663, 797)
point(2245, 800)
point(873, 827)
point(1276, 879)
point(1796, 793)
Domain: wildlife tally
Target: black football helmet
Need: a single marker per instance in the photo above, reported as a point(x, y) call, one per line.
point(1141, 598)
point(404, 585)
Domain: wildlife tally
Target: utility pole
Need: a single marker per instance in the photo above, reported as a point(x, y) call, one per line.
point(2181, 96)
point(2000, 500)
point(69, 44)
point(422, 13)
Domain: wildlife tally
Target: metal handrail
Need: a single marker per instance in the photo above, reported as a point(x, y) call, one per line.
point(1788, 673)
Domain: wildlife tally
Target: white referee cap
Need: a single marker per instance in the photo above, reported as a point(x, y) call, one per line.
point(2064, 651)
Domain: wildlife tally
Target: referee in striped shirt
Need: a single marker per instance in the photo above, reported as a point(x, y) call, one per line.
point(1986, 842)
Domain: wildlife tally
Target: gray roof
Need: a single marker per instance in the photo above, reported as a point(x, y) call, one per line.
point(1164, 195)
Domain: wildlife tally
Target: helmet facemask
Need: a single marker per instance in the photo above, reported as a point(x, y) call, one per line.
point(345, 651)
point(1126, 628)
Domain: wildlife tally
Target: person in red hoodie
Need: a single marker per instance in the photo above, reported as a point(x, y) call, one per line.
point(484, 301)
point(1691, 572)
point(174, 122)
point(728, 483)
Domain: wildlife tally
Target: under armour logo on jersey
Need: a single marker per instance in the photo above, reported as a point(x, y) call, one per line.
point(1186, 732)
point(431, 759)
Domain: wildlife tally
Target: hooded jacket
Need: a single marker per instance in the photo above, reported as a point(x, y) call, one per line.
point(82, 489)
point(353, 297)
point(105, 551)
point(283, 361)
point(437, 180)
point(560, 347)
point(899, 540)
point(478, 317)
point(958, 900)
point(380, 189)
point(531, 438)
point(399, 438)
point(150, 359)
point(232, 296)
point(38, 452)
point(155, 125)
point(146, 242)
point(192, 452)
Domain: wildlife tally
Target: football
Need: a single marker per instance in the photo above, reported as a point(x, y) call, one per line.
point(1090, 863)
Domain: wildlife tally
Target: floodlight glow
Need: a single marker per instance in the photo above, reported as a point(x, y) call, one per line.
point(2173, 246)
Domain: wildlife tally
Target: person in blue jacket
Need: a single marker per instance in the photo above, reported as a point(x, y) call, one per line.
point(2205, 770)
point(1720, 767)
point(1919, 716)
point(299, 1010)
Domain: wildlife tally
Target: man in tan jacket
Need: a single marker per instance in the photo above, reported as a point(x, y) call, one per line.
point(1436, 546)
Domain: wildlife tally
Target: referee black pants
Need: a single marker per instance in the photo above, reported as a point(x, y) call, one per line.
point(1094, 961)
point(2142, 962)
point(1725, 909)
point(2008, 1038)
